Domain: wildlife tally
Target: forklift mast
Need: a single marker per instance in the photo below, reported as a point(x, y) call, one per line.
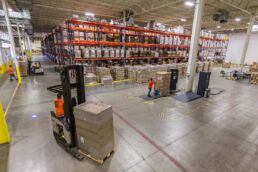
point(65, 89)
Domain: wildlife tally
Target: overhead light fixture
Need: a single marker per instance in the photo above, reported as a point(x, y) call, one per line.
point(183, 20)
point(237, 19)
point(218, 27)
point(189, 3)
point(89, 14)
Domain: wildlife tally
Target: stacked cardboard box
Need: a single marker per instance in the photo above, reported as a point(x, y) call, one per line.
point(180, 69)
point(199, 66)
point(118, 73)
point(142, 74)
point(206, 67)
point(132, 73)
point(90, 78)
point(211, 64)
point(226, 65)
point(163, 83)
point(23, 68)
point(106, 80)
point(253, 67)
point(94, 129)
point(101, 72)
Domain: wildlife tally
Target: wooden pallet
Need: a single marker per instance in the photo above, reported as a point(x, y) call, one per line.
point(99, 161)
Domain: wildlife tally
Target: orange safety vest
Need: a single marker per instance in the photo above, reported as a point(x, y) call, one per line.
point(150, 84)
point(10, 70)
point(59, 105)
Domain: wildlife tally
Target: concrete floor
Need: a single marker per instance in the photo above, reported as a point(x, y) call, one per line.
point(219, 134)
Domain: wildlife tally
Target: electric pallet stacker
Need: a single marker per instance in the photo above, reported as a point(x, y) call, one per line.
point(64, 130)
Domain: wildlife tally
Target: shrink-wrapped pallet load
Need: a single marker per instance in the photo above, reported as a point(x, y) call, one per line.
point(102, 72)
point(142, 74)
point(162, 83)
point(117, 73)
point(23, 68)
point(94, 129)
point(90, 78)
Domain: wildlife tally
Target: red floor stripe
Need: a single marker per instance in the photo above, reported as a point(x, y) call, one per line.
point(172, 159)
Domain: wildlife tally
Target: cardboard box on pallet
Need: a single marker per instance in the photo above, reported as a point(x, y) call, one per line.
point(102, 72)
point(211, 64)
point(90, 78)
point(106, 80)
point(132, 73)
point(117, 73)
point(94, 129)
point(142, 74)
point(206, 67)
point(162, 83)
point(23, 68)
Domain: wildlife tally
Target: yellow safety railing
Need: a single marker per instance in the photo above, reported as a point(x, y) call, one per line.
point(4, 133)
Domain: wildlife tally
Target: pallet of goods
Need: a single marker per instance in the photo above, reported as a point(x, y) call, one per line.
point(23, 68)
point(90, 78)
point(162, 83)
point(94, 130)
point(142, 74)
point(106, 80)
point(118, 73)
point(102, 72)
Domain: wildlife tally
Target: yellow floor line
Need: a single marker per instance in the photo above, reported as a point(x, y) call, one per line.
point(124, 80)
point(10, 102)
point(93, 84)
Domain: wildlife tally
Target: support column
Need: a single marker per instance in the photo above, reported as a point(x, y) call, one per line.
point(10, 32)
point(191, 68)
point(19, 36)
point(246, 43)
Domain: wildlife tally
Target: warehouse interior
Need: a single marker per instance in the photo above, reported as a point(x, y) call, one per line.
point(128, 86)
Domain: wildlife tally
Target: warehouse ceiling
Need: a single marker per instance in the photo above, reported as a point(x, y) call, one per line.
point(47, 14)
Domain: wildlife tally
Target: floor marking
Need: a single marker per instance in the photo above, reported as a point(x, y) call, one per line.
point(159, 148)
point(10, 102)
point(172, 159)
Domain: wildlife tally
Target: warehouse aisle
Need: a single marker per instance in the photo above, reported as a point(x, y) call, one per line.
point(164, 135)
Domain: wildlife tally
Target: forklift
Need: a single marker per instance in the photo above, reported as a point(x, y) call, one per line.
point(64, 130)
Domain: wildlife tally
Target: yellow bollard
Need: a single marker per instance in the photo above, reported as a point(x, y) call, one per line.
point(18, 75)
point(4, 133)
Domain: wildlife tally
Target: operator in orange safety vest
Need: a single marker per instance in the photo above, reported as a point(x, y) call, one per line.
point(59, 105)
point(150, 84)
point(11, 73)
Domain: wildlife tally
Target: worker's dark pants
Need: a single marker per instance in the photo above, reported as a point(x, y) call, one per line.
point(149, 92)
point(12, 76)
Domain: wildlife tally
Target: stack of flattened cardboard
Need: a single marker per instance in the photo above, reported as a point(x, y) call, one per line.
point(23, 68)
point(118, 73)
point(101, 72)
point(142, 74)
point(162, 83)
point(90, 78)
point(94, 129)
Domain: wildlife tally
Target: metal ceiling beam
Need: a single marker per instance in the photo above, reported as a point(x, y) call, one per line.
point(237, 7)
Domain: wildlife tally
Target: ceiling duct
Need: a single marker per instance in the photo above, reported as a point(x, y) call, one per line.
point(221, 16)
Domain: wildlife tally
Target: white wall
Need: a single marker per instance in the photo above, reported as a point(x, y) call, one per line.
point(235, 47)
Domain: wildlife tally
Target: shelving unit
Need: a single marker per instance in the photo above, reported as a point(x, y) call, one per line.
point(84, 41)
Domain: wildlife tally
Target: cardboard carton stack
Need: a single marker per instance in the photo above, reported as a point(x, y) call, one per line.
point(23, 68)
point(101, 72)
point(199, 66)
point(180, 69)
point(94, 129)
point(163, 83)
point(132, 73)
point(206, 67)
point(254, 67)
point(90, 78)
point(226, 65)
point(118, 73)
point(211, 64)
point(142, 74)
point(106, 80)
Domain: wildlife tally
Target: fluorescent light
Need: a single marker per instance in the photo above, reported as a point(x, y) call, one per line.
point(237, 19)
point(218, 27)
point(89, 14)
point(183, 20)
point(189, 3)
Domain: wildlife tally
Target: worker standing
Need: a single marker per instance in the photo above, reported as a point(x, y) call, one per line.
point(150, 84)
point(11, 73)
point(59, 106)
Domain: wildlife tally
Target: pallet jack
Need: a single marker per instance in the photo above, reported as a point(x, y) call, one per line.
point(64, 130)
